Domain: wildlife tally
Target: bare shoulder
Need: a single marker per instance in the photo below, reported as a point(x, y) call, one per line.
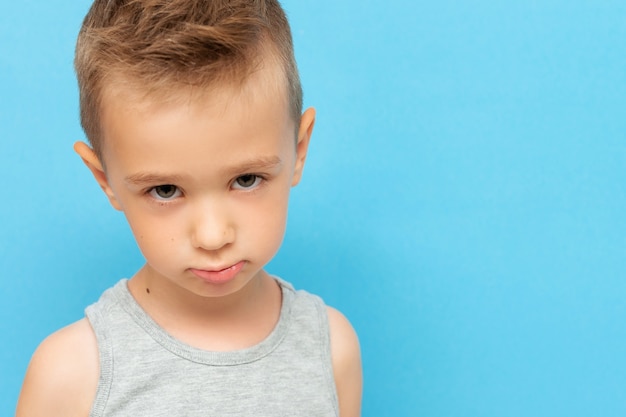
point(346, 358)
point(62, 376)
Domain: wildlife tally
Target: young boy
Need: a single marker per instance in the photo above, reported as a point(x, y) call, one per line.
point(193, 113)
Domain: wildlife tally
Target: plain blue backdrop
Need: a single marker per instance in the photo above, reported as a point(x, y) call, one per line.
point(463, 203)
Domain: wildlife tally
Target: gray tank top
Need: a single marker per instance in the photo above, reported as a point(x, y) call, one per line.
point(145, 372)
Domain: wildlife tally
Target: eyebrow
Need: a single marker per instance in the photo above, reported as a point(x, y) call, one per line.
point(256, 164)
point(252, 165)
point(142, 178)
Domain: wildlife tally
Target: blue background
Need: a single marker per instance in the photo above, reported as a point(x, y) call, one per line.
point(463, 202)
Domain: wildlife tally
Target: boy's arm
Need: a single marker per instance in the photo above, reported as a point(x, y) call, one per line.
point(62, 377)
point(346, 358)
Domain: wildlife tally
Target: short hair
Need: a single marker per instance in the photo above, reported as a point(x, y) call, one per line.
point(160, 46)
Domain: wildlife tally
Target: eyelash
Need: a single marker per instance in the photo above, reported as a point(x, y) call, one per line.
point(258, 181)
point(176, 192)
point(153, 192)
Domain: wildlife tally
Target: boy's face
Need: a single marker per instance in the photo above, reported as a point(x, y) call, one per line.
point(204, 183)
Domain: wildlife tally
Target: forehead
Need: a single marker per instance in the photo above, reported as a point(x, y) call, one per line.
point(153, 127)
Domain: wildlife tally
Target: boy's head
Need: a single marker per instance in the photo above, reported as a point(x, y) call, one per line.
point(195, 108)
point(160, 48)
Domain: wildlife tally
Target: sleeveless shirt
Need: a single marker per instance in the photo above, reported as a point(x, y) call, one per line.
point(145, 372)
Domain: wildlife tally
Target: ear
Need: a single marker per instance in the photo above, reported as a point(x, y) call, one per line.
point(95, 166)
point(307, 121)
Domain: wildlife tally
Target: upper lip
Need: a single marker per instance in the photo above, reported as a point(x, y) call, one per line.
point(217, 268)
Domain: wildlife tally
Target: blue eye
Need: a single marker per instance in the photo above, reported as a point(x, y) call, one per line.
point(165, 192)
point(246, 182)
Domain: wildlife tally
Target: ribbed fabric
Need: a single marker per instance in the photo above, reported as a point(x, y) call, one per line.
point(145, 372)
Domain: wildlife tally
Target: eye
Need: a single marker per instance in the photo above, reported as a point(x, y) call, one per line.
point(165, 192)
point(246, 182)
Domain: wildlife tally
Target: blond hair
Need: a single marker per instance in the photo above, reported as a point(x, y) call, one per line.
point(163, 45)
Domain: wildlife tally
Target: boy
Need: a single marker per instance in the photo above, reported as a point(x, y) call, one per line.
point(193, 113)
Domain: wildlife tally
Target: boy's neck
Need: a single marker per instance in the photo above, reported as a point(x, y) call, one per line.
point(231, 322)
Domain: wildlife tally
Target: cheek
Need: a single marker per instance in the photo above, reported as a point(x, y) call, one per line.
point(153, 236)
point(269, 220)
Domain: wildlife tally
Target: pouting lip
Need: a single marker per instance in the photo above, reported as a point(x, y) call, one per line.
point(218, 269)
point(219, 276)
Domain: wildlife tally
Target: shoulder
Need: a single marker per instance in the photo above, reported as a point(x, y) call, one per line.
point(346, 359)
point(62, 377)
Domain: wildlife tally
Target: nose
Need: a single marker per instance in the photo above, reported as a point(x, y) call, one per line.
point(211, 227)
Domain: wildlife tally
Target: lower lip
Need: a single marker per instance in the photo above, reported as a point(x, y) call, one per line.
point(219, 277)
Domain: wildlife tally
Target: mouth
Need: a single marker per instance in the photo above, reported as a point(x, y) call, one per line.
point(219, 276)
